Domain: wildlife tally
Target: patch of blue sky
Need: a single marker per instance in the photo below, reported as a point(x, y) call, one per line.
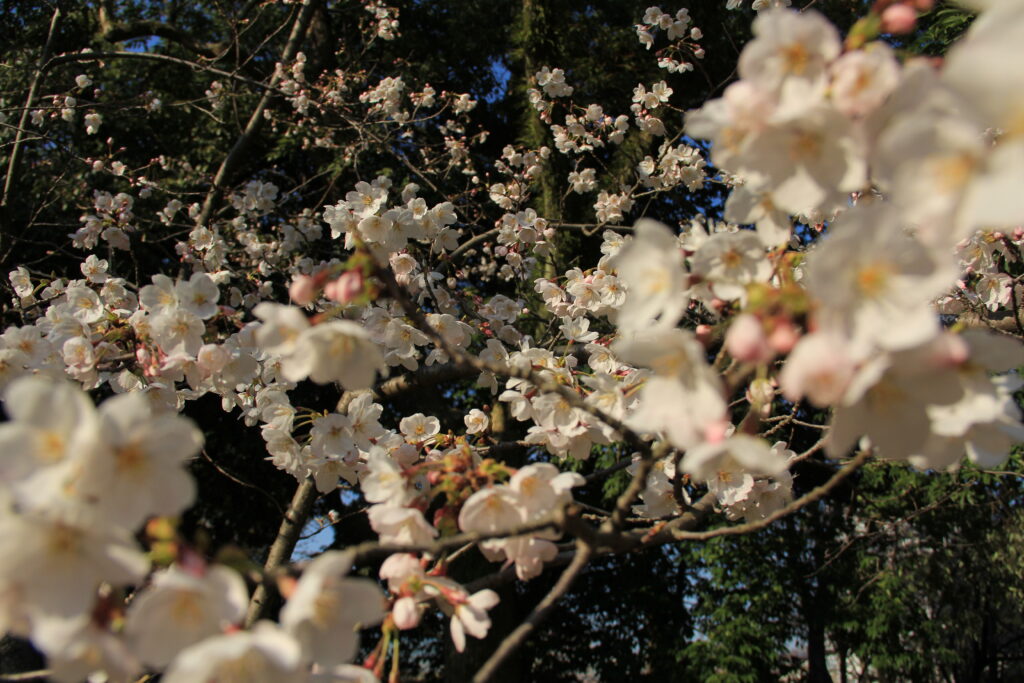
point(502, 76)
point(146, 44)
point(316, 537)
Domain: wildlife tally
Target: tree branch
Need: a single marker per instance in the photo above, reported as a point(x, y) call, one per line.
point(584, 553)
point(214, 465)
point(811, 496)
point(281, 550)
point(12, 164)
point(234, 158)
point(117, 31)
point(372, 550)
point(543, 382)
point(27, 676)
point(153, 56)
point(537, 616)
point(636, 485)
point(470, 243)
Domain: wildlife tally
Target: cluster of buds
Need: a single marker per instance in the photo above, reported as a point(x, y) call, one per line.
point(345, 287)
point(770, 325)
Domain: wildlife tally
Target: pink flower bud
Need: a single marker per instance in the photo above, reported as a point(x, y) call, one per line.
point(899, 19)
point(1018, 234)
point(716, 432)
point(406, 613)
point(192, 562)
point(345, 288)
point(703, 333)
point(302, 290)
point(949, 350)
point(784, 337)
point(745, 340)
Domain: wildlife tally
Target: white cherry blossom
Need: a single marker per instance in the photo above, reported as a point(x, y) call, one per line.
point(327, 609)
point(181, 607)
point(651, 265)
point(266, 653)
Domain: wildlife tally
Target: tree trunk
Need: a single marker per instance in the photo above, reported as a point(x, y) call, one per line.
point(817, 667)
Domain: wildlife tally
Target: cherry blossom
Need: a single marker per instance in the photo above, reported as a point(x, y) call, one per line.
point(866, 230)
point(326, 610)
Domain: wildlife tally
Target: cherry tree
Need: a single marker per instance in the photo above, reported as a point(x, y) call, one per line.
point(853, 274)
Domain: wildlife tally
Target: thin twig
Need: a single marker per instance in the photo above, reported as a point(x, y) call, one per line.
point(1003, 473)
point(234, 158)
point(637, 484)
point(544, 608)
point(633, 540)
point(239, 481)
point(810, 497)
point(154, 57)
point(12, 164)
point(27, 675)
point(470, 243)
point(612, 469)
point(818, 445)
point(372, 550)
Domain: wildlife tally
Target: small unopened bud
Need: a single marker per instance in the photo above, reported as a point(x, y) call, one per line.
point(784, 337)
point(704, 333)
point(950, 350)
point(716, 431)
point(302, 290)
point(745, 340)
point(345, 288)
point(406, 613)
point(899, 19)
point(761, 392)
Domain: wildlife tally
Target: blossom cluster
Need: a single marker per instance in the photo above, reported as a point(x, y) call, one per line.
point(872, 233)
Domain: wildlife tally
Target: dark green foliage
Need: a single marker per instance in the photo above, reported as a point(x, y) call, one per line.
point(940, 28)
